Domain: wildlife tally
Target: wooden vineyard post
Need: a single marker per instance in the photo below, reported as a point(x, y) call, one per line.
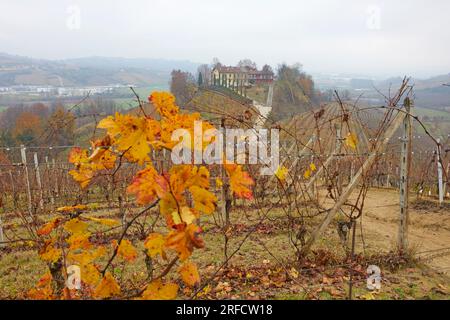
point(2, 238)
point(50, 191)
point(13, 189)
point(355, 181)
point(38, 180)
point(439, 168)
point(225, 199)
point(325, 166)
point(27, 178)
point(55, 175)
point(338, 155)
point(405, 165)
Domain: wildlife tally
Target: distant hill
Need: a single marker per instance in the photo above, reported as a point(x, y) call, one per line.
point(89, 71)
point(428, 93)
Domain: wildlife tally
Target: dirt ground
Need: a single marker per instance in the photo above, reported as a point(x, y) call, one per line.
point(264, 267)
point(429, 226)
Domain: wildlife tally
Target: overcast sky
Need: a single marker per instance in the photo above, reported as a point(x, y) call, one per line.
point(357, 36)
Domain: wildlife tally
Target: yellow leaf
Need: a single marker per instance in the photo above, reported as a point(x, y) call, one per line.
point(131, 134)
point(89, 274)
point(368, 296)
point(79, 241)
point(189, 274)
point(106, 222)
point(156, 290)
point(351, 140)
point(204, 200)
point(155, 244)
point(75, 225)
point(293, 273)
point(187, 215)
point(126, 250)
point(49, 252)
point(86, 257)
point(164, 103)
point(79, 207)
point(107, 288)
point(219, 183)
point(281, 173)
point(312, 167)
point(307, 174)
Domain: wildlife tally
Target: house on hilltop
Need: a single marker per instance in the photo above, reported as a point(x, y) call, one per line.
point(234, 77)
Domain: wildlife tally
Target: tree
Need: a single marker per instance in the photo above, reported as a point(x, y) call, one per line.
point(215, 62)
point(294, 91)
point(28, 127)
point(267, 68)
point(182, 86)
point(60, 127)
point(200, 79)
point(247, 63)
point(205, 71)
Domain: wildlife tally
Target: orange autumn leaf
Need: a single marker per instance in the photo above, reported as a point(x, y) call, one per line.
point(126, 250)
point(43, 289)
point(184, 241)
point(48, 227)
point(100, 147)
point(148, 185)
point(86, 166)
point(157, 290)
point(79, 241)
point(83, 177)
point(189, 274)
point(107, 288)
point(240, 181)
point(83, 172)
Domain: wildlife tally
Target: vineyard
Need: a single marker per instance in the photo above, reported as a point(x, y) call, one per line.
point(117, 219)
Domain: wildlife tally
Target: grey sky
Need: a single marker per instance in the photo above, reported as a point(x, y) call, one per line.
point(407, 37)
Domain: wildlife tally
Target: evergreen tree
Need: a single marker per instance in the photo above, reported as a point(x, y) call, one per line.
point(200, 79)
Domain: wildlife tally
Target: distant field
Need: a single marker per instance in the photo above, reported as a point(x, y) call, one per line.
point(421, 112)
point(143, 92)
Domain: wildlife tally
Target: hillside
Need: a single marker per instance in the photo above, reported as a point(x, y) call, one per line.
point(98, 71)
